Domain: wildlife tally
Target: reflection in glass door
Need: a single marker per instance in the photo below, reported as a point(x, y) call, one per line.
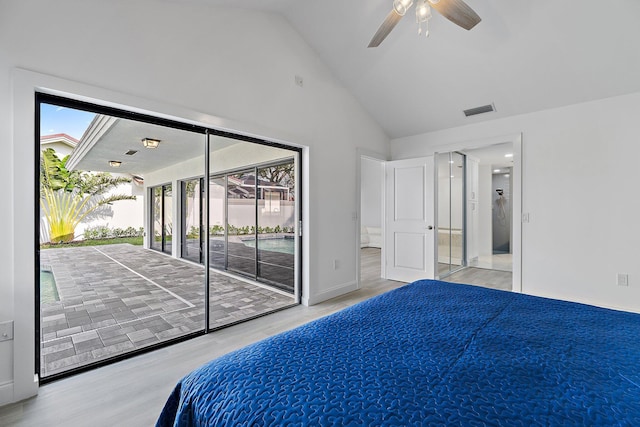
point(451, 212)
point(276, 224)
point(252, 218)
point(241, 220)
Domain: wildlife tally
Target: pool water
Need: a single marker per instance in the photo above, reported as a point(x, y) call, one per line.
point(276, 244)
point(48, 289)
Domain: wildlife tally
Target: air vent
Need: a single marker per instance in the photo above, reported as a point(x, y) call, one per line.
point(131, 152)
point(479, 110)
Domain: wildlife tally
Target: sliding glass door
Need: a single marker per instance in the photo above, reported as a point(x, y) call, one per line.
point(182, 230)
point(252, 223)
point(276, 225)
point(109, 285)
point(241, 222)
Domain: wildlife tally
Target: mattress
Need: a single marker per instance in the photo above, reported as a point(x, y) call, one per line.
point(429, 353)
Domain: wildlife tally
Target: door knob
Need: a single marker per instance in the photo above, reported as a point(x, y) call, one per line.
point(430, 227)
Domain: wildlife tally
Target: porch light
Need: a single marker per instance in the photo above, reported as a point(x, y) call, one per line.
point(114, 163)
point(150, 143)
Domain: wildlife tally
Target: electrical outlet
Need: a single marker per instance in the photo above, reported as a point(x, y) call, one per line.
point(622, 279)
point(6, 331)
point(525, 217)
point(299, 81)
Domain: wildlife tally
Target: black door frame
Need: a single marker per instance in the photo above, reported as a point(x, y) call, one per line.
point(44, 98)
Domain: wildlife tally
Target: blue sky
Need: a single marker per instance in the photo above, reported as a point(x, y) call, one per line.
point(55, 119)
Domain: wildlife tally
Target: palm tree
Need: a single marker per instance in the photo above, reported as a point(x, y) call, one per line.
point(69, 197)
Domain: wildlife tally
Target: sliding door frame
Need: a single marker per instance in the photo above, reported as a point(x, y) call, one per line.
point(450, 174)
point(43, 97)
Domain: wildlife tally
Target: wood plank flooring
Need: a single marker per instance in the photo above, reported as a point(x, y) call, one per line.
point(133, 392)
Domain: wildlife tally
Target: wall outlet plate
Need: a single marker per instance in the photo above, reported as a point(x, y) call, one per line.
point(6, 330)
point(622, 279)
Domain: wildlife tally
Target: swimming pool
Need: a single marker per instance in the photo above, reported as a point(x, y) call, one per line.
point(48, 288)
point(285, 245)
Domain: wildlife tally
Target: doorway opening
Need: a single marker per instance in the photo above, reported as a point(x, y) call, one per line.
point(482, 204)
point(371, 218)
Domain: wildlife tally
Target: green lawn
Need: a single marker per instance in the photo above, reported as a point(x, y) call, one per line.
point(95, 242)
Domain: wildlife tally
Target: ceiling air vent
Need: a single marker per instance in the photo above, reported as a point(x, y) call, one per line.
point(479, 110)
point(131, 152)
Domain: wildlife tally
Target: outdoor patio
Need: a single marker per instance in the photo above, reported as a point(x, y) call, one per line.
point(118, 298)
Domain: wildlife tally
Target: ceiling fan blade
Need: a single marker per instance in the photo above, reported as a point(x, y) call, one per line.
point(389, 23)
point(458, 12)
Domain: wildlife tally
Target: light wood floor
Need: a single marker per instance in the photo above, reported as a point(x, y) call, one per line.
point(132, 392)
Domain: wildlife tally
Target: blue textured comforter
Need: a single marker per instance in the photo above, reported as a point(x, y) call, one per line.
point(429, 353)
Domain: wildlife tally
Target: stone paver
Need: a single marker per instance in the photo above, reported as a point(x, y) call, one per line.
point(118, 298)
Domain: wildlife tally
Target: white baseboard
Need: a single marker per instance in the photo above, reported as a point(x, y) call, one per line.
point(6, 393)
point(335, 291)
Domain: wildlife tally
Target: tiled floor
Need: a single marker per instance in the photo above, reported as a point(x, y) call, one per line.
point(503, 262)
point(117, 298)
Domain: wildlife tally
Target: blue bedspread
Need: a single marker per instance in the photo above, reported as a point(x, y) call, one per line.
point(429, 353)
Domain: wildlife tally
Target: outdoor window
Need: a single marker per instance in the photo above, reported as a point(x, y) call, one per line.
point(162, 224)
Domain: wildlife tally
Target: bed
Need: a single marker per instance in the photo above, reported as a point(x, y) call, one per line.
point(429, 353)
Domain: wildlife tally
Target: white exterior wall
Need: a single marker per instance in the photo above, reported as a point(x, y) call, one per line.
point(123, 213)
point(227, 68)
point(579, 186)
point(59, 147)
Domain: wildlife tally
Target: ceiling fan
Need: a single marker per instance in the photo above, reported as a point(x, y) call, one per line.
point(456, 11)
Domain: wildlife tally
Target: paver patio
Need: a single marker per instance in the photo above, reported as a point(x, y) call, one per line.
point(117, 298)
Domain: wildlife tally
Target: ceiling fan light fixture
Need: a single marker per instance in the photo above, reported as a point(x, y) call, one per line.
point(423, 11)
point(456, 11)
point(423, 14)
point(401, 6)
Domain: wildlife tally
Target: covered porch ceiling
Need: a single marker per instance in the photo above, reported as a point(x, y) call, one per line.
point(110, 139)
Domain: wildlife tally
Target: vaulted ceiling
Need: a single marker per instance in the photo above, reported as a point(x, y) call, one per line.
point(524, 56)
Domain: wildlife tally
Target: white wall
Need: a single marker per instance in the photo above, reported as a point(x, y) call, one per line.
point(371, 193)
point(485, 230)
point(580, 180)
point(222, 67)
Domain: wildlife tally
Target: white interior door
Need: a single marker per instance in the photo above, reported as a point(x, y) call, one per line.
point(409, 212)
